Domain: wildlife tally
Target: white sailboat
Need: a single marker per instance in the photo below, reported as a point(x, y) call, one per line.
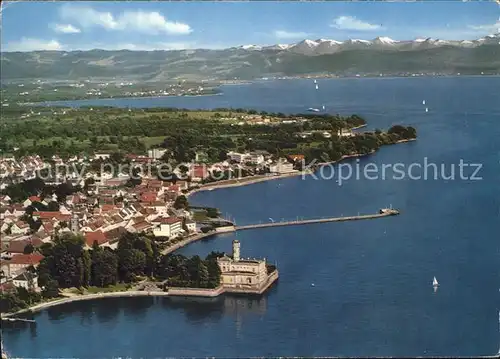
point(423, 102)
point(426, 109)
point(435, 283)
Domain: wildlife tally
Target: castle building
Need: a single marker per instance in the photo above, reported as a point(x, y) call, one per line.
point(242, 273)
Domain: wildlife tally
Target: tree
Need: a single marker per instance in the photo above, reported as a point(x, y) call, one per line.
point(51, 289)
point(28, 249)
point(131, 263)
point(181, 202)
point(87, 269)
point(104, 268)
point(53, 206)
point(68, 265)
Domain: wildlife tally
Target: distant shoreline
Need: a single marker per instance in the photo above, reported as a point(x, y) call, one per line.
point(48, 103)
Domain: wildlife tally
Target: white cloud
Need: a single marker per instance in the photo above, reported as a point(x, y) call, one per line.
point(65, 29)
point(30, 44)
point(351, 23)
point(140, 21)
point(489, 28)
point(281, 34)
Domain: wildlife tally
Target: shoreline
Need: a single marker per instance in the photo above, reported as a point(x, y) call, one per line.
point(263, 178)
point(51, 102)
point(243, 182)
point(171, 292)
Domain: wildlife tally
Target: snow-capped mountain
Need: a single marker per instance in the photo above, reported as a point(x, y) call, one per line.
point(327, 46)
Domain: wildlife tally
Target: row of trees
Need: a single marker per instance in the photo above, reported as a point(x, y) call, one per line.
point(18, 192)
point(69, 264)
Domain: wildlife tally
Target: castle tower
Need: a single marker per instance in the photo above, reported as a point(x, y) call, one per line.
point(236, 250)
point(75, 224)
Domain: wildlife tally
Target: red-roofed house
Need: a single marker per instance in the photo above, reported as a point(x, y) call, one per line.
point(141, 226)
point(148, 198)
point(198, 172)
point(29, 201)
point(295, 158)
point(51, 216)
point(168, 227)
point(91, 237)
point(19, 262)
point(17, 247)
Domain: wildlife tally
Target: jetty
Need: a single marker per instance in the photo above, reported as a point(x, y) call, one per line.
point(384, 212)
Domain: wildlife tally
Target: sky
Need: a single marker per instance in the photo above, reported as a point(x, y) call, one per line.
point(68, 26)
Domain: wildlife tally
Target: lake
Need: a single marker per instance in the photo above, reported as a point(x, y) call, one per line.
point(372, 293)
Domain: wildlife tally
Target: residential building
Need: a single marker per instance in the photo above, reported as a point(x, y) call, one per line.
point(168, 227)
point(26, 280)
point(281, 167)
point(19, 263)
point(191, 226)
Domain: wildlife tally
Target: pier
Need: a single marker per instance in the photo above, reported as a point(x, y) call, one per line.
point(385, 212)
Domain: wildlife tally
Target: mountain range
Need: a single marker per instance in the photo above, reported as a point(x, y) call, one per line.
point(328, 47)
point(381, 55)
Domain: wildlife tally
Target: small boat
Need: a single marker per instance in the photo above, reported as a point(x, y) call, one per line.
point(311, 109)
point(323, 107)
point(312, 284)
point(315, 81)
point(426, 109)
point(435, 283)
point(423, 102)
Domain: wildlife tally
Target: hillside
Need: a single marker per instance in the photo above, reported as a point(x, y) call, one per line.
point(381, 55)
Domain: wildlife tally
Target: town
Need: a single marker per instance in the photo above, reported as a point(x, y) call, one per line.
point(131, 209)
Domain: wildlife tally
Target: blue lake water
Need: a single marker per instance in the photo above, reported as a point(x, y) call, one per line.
point(372, 292)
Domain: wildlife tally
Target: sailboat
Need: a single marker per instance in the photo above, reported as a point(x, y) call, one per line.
point(435, 283)
point(323, 107)
point(313, 109)
point(423, 102)
point(426, 109)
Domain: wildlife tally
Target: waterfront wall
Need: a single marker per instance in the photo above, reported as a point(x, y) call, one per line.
point(195, 292)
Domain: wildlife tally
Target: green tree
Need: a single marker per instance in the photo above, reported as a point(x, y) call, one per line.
point(131, 263)
point(181, 202)
point(105, 268)
point(51, 289)
point(28, 249)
